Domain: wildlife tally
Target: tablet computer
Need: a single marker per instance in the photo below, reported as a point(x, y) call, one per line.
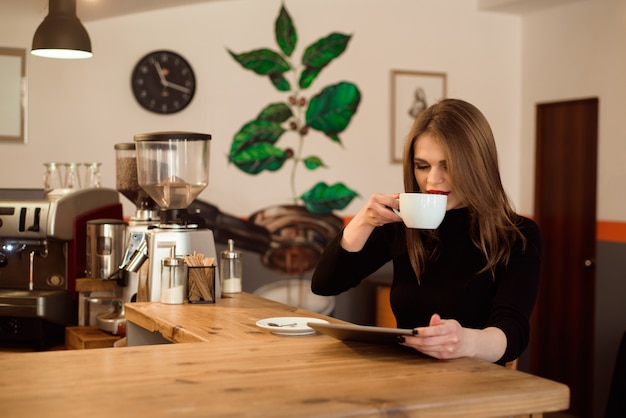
point(361, 333)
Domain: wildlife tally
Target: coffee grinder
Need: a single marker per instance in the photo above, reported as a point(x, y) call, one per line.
point(146, 215)
point(173, 169)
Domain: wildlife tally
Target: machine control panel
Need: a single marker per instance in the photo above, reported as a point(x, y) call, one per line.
point(24, 213)
point(27, 219)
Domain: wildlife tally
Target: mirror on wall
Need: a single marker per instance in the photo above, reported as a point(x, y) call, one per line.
point(12, 95)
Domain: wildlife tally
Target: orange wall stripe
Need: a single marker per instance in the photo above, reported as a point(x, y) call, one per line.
point(605, 230)
point(611, 231)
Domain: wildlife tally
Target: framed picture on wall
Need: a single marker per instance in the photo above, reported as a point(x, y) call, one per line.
point(12, 95)
point(411, 93)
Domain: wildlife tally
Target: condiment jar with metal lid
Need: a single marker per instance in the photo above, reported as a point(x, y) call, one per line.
point(173, 274)
point(230, 269)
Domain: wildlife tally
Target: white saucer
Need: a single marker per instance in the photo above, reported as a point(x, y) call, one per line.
point(299, 326)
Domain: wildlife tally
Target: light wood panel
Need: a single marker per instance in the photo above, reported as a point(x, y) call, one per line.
point(384, 314)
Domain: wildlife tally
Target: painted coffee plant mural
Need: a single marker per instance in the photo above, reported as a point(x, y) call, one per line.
point(256, 147)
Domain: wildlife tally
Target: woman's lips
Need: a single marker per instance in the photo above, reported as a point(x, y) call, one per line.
point(438, 192)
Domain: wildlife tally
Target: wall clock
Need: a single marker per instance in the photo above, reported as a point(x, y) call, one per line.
point(163, 82)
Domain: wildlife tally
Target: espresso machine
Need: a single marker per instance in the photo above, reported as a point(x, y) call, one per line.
point(42, 253)
point(173, 169)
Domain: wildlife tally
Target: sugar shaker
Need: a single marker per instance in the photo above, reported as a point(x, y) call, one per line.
point(230, 269)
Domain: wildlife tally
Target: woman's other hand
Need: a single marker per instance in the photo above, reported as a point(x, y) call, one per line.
point(447, 339)
point(442, 339)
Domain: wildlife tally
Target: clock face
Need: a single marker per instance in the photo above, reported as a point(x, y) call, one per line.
point(163, 82)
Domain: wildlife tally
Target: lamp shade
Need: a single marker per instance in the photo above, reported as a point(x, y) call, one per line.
point(61, 34)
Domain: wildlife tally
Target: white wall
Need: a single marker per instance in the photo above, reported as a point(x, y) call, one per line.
point(79, 110)
point(578, 51)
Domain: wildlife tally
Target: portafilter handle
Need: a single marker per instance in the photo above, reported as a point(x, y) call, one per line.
point(136, 254)
point(137, 259)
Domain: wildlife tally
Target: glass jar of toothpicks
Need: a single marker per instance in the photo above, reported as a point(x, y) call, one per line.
point(200, 278)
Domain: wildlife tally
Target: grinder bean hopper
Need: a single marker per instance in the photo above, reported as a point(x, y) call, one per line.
point(173, 168)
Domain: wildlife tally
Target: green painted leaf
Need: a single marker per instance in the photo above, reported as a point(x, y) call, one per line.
point(262, 61)
point(323, 199)
point(320, 53)
point(276, 112)
point(286, 36)
point(307, 77)
point(313, 162)
point(253, 148)
point(258, 157)
point(255, 132)
point(331, 110)
point(280, 82)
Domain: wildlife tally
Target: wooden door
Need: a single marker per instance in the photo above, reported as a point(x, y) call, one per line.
point(565, 208)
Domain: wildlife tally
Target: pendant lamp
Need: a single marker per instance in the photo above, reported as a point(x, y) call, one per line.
point(61, 35)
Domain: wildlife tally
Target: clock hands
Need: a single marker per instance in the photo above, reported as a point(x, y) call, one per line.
point(166, 83)
point(177, 87)
point(168, 91)
point(160, 73)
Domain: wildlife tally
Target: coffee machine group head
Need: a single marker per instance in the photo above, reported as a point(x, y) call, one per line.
point(173, 169)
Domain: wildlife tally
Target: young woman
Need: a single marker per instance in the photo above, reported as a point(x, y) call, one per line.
point(467, 288)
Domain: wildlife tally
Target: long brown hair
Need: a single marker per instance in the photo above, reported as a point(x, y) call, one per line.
point(472, 165)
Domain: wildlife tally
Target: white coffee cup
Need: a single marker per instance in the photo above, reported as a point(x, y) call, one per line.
point(422, 210)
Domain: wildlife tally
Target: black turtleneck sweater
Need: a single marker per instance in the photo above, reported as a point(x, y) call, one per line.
point(450, 285)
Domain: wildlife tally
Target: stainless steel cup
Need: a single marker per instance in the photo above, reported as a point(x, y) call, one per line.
point(105, 247)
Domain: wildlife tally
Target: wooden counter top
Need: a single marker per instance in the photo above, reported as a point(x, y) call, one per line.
point(248, 372)
point(232, 317)
point(304, 376)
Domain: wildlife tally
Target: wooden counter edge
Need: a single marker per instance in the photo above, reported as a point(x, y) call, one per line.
point(175, 333)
